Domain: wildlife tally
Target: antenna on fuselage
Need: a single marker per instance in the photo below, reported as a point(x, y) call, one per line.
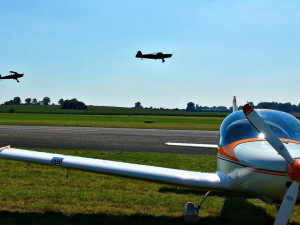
point(234, 107)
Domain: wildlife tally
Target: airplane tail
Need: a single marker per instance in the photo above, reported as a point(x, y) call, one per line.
point(234, 107)
point(139, 54)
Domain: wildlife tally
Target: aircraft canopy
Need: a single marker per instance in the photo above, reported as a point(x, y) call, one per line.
point(236, 127)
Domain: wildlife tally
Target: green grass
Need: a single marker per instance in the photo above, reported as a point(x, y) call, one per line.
point(120, 121)
point(34, 194)
point(114, 117)
point(103, 110)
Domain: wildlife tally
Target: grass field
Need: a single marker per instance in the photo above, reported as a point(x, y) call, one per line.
point(114, 121)
point(34, 194)
point(103, 110)
point(114, 117)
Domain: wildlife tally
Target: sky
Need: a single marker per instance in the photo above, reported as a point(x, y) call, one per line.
point(86, 50)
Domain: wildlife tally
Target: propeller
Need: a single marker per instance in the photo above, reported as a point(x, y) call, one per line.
point(287, 205)
point(293, 168)
point(270, 136)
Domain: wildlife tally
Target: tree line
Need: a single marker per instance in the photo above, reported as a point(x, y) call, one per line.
point(28, 101)
point(192, 107)
point(65, 104)
point(285, 107)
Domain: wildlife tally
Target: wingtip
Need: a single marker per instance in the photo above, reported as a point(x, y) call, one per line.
point(8, 146)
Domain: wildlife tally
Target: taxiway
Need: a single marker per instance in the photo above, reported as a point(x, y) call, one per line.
point(108, 139)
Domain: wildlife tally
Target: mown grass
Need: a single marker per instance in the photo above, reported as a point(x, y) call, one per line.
point(114, 121)
point(34, 194)
point(103, 110)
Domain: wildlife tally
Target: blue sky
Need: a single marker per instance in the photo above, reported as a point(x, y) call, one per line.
point(85, 49)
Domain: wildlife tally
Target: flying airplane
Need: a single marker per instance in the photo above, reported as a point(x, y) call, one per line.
point(258, 153)
point(14, 75)
point(158, 55)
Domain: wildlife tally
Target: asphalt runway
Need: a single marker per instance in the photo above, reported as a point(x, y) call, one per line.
point(108, 139)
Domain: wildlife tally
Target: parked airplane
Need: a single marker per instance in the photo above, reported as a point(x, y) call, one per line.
point(14, 75)
point(258, 153)
point(158, 55)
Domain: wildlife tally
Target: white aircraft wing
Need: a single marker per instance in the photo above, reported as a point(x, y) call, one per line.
point(191, 145)
point(206, 181)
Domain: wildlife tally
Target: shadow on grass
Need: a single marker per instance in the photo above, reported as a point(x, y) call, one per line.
point(236, 210)
point(15, 218)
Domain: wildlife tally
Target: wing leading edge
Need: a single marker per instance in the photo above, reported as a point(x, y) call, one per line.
point(206, 181)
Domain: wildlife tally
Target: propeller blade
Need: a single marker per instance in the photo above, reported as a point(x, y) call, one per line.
point(270, 136)
point(287, 205)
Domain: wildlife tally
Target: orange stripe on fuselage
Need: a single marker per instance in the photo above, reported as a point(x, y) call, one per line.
point(228, 150)
point(289, 140)
point(264, 172)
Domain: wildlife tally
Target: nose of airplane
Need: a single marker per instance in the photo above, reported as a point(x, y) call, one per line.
point(294, 170)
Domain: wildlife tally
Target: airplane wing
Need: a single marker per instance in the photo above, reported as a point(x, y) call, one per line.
point(206, 181)
point(191, 145)
point(149, 56)
point(13, 72)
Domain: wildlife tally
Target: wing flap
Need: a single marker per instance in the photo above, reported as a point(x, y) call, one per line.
point(207, 181)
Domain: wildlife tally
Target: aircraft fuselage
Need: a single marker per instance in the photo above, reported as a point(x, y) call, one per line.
point(251, 162)
point(13, 76)
point(158, 55)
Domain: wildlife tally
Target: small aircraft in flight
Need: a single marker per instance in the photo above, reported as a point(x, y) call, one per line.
point(157, 55)
point(258, 153)
point(14, 75)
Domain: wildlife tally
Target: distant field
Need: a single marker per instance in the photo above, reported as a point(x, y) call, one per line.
point(114, 117)
point(103, 110)
point(113, 121)
point(34, 194)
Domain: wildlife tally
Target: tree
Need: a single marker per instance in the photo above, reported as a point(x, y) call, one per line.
point(295, 108)
point(285, 107)
point(16, 101)
point(267, 105)
point(8, 102)
point(34, 101)
point(61, 101)
point(198, 108)
point(190, 107)
point(46, 101)
point(74, 104)
point(251, 104)
point(138, 105)
point(27, 101)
